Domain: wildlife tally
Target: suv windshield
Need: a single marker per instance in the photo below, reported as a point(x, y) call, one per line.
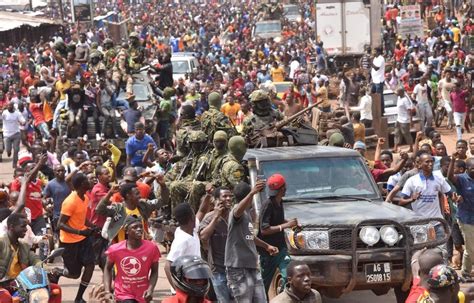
point(180, 66)
point(267, 27)
point(291, 10)
point(318, 178)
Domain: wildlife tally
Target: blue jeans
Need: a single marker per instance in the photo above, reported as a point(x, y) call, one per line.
point(219, 282)
point(246, 285)
point(44, 130)
point(377, 88)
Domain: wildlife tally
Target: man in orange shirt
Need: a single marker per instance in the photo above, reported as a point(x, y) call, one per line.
point(130, 175)
point(230, 109)
point(75, 235)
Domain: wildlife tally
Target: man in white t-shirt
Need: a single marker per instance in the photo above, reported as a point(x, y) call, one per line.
point(186, 238)
point(445, 86)
point(422, 191)
point(402, 127)
point(378, 74)
point(12, 120)
point(420, 94)
point(365, 108)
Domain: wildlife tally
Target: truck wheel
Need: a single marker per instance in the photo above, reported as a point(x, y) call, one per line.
point(276, 287)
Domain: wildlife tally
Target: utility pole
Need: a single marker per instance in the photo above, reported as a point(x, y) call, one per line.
point(61, 9)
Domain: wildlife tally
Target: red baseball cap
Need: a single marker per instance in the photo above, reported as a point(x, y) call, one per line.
point(274, 183)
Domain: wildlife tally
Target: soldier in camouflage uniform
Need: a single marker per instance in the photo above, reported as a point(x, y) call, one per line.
point(120, 69)
point(187, 124)
point(192, 185)
point(95, 64)
point(218, 153)
point(232, 171)
point(214, 120)
point(109, 54)
point(263, 114)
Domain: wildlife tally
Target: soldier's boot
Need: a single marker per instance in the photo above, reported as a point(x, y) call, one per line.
point(198, 189)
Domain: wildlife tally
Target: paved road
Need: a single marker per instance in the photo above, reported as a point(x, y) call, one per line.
point(69, 287)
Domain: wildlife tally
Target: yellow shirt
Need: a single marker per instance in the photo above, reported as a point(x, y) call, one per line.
point(128, 212)
point(15, 267)
point(456, 34)
point(278, 74)
point(62, 88)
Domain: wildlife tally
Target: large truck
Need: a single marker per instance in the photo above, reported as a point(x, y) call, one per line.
point(346, 27)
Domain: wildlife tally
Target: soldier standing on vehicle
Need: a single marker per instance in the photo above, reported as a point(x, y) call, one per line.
point(189, 184)
point(164, 116)
point(95, 63)
point(272, 224)
point(187, 123)
point(217, 154)
point(232, 171)
point(263, 114)
point(110, 53)
point(213, 119)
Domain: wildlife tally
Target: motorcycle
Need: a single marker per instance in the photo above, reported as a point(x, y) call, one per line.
point(33, 285)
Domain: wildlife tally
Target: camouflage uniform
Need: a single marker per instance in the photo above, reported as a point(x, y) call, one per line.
point(120, 69)
point(191, 186)
point(214, 120)
point(188, 123)
point(110, 53)
point(217, 155)
point(261, 118)
point(233, 171)
point(94, 68)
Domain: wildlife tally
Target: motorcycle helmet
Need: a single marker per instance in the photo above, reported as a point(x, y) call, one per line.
point(188, 268)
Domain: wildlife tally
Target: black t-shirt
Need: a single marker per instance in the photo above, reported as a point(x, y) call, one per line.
point(272, 215)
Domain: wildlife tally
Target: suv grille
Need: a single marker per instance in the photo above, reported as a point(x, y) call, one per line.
point(340, 239)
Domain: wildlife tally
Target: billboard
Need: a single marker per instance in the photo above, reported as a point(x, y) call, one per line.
point(81, 10)
point(410, 21)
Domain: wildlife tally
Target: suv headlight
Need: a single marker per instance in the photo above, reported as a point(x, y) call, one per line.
point(312, 239)
point(389, 235)
point(369, 235)
point(422, 233)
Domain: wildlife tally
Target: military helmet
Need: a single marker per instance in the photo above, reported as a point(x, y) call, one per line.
point(133, 35)
point(214, 99)
point(220, 135)
point(197, 136)
point(168, 92)
point(237, 147)
point(95, 54)
point(259, 95)
point(108, 41)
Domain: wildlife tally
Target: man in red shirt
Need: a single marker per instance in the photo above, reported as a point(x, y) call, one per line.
point(36, 109)
point(136, 261)
point(458, 98)
point(99, 191)
point(34, 193)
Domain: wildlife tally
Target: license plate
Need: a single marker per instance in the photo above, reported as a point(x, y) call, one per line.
point(378, 272)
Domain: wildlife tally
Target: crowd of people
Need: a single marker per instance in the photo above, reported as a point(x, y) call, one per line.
point(104, 205)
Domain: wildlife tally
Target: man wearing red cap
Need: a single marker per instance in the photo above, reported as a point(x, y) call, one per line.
point(271, 231)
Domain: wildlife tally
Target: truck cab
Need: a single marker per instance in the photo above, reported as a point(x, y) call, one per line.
point(350, 238)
